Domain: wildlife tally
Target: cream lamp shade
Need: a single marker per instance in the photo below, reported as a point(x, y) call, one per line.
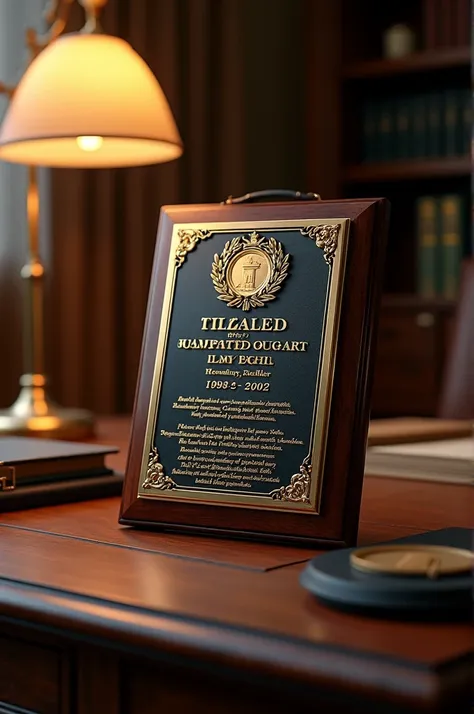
point(89, 100)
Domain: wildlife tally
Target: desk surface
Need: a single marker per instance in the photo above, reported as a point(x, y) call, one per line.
point(74, 568)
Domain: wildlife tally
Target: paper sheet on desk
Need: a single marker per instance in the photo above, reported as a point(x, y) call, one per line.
point(449, 461)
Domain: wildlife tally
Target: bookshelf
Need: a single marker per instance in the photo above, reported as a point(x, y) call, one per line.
point(417, 62)
point(404, 300)
point(407, 170)
point(366, 89)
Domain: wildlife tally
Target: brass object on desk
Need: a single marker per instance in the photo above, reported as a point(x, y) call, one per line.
point(408, 560)
point(34, 413)
point(428, 576)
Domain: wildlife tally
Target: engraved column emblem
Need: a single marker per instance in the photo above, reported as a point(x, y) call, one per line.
point(250, 271)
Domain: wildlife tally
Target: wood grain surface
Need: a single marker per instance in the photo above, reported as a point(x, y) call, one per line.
point(76, 572)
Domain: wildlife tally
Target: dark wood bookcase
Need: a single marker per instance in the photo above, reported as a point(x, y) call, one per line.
point(414, 334)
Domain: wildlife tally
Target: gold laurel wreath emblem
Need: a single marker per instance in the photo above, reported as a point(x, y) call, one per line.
point(279, 264)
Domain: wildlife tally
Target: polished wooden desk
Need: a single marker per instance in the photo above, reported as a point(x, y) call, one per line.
point(100, 619)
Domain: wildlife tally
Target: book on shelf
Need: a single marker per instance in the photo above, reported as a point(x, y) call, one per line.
point(433, 125)
point(448, 460)
point(416, 126)
point(403, 130)
point(451, 237)
point(445, 12)
point(419, 127)
point(386, 131)
point(427, 258)
point(452, 112)
point(446, 23)
point(440, 238)
point(462, 22)
point(467, 122)
point(429, 25)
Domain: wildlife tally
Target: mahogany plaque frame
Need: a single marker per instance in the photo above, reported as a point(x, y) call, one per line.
point(330, 517)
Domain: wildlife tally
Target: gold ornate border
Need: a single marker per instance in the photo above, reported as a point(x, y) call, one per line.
point(325, 236)
point(304, 490)
point(188, 240)
point(299, 488)
point(155, 474)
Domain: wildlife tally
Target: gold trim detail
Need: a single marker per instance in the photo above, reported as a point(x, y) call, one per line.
point(298, 490)
point(326, 237)
point(188, 240)
point(408, 560)
point(155, 474)
point(324, 376)
point(271, 253)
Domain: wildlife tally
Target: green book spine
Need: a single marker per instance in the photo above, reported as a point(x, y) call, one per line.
point(451, 122)
point(402, 148)
point(427, 246)
point(386, 132)
point(369, 132)
point(433, 132)
point(419, 127)
point(466, 122)
point(451, 222)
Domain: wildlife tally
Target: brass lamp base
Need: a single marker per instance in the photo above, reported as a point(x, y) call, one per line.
point(34, 414)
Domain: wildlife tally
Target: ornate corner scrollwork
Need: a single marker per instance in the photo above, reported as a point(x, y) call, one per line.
point(326, 237)
point(188, 240)
point(155, 474)
point(299, 487)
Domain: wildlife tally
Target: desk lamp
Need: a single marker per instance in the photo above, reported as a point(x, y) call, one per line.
point(86, 100)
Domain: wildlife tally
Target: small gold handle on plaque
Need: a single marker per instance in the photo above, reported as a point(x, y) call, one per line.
point(272, 194)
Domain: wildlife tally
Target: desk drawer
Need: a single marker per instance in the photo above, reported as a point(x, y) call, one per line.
point(30, 677)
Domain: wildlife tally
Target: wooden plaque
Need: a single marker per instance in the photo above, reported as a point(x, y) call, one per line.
point(252, 407)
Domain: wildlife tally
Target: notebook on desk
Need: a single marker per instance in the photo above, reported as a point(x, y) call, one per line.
point(43, 472)
point(447, 460)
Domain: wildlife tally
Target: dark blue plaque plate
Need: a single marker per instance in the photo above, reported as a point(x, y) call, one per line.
point(246, 367)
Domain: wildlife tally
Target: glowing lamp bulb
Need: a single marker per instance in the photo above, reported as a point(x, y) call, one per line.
point(89, 143)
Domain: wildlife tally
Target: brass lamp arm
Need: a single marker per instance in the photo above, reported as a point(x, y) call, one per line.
point(57, 15)
point(5, 89)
